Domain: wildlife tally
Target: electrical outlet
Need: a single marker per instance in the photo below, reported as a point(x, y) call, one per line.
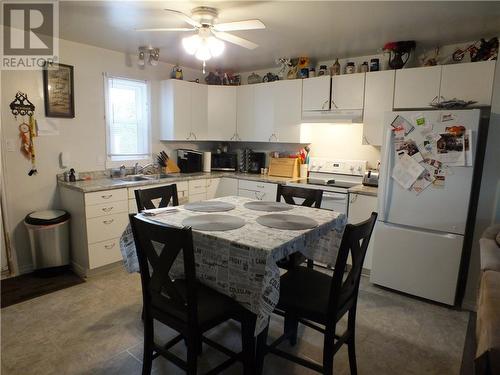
point(10, 144)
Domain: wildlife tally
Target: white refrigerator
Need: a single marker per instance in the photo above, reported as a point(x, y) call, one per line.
point(418, 239)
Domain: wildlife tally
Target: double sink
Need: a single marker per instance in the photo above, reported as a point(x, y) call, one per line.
point(141, 177)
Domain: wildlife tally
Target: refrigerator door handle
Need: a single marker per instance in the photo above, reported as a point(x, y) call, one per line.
point(386, 183)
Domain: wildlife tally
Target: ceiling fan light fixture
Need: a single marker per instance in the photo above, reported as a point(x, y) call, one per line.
point(203, 52)
point(216, 46)
point(191, 44)
point(154, 56)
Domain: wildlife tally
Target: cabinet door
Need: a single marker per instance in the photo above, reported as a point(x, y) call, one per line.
point(199, 115)
point(316, 93)
point(264, 112)
point(471, 81)
point(417, 87)
point(379, 96)
point(287, 113)
point(221, 112)
point(360, 208)
point(245, 112)
point(348, 91)
point(212, 186)
point(175, 110)
point(227, 187)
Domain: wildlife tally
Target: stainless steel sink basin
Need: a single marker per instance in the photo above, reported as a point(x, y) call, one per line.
point(135, 178)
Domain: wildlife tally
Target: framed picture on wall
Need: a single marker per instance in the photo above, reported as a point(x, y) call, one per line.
point(58, 91)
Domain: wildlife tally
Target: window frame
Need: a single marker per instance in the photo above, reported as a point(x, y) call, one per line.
point(115, 160)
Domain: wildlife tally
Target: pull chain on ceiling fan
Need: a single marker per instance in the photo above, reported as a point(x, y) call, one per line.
point(210, 37)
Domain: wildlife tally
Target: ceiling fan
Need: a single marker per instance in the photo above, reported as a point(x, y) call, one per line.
point(208, 40)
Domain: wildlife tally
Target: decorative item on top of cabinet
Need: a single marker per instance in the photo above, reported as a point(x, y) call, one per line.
point(487, 50)
point(399, 53)
point(284, 64)
point(254, 78)
point(350, 68)
point(335, 68)
point(270, 77)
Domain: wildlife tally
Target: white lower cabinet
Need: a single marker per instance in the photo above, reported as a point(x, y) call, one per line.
point(360, 208)
point(227, 187)
point(262, 191)
point(98, 219)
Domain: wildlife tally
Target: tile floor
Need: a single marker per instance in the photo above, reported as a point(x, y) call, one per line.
point(95, 328)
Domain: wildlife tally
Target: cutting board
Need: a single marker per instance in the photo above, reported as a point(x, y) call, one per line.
point(284, 167)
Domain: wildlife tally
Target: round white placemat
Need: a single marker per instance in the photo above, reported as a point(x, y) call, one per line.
point(287, 221)
point(209, 206)
point(213, 222)
point(268, 206)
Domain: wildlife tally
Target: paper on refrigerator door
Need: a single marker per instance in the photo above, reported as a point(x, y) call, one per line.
point(407, 171)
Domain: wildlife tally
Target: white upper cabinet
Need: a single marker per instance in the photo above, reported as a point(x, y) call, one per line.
point(221, 112)
point(287, 113)
point(245, 112)
point(199, 115)
point(263, 128)
point(348, 91)
point(417, 87)
point(379, 95)
point(470, 81)
point(316, 93)
point(175, 110)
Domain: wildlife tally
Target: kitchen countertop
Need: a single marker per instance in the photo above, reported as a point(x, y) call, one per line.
point(107, 183)
point(365, 190)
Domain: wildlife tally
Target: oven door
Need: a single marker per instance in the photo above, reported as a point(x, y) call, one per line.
point(337, 202)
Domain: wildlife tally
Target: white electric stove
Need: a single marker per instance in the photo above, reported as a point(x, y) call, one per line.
point(334, 177)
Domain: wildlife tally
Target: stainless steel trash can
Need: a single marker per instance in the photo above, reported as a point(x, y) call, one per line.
point(49, 237)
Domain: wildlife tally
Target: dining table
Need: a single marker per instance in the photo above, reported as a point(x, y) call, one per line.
point(242, 262)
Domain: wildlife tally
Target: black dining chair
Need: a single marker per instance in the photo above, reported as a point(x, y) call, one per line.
point(166, 194)
point(319, 301)
point(183, 304)
point(311, 197)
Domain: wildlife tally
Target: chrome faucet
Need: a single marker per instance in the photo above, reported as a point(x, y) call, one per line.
point(138, 168)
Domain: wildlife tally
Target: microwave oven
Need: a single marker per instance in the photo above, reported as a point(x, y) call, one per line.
point(189, 161)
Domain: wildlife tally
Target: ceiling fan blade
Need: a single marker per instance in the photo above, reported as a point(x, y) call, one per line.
point(235, 40)
point(185, 17)
point(240, 25)
point(168, 29)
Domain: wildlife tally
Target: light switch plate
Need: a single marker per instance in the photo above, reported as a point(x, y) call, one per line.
point(10, 144)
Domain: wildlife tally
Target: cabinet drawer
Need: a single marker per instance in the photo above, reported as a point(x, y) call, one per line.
point(106, 227)
point(255, 185)
point(105, 252)
point(104, 209)
point(197, 187)
point(106, 196)
point(197, 197)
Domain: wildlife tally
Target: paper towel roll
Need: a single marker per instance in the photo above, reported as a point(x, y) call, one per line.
point(207, 161)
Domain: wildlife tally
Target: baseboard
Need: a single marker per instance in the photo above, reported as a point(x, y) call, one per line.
point(469, 305)
point(79, 270)
point(27, 268)
point(85, 272)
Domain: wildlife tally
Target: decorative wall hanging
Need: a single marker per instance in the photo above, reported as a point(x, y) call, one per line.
point(58, 91)
point(21, 105)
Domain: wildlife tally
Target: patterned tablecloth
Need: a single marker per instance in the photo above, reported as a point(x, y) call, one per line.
point(241, 263)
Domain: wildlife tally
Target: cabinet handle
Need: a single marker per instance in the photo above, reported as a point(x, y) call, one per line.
point(108, 221)
point(106, 196)
point(107, 209)
point(354, 197)
point(110, 246)
point(261, 186)
point(325, 103)
point(334, 105)
point(271, 137)
point(194, 135)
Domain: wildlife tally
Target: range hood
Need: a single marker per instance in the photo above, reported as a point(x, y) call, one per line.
point(334, 116)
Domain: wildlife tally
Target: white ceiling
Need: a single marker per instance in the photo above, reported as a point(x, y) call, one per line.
point(321, 30)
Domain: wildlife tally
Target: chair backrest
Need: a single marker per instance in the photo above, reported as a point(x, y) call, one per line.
point(157, 246)
point(311, 196)
point(344, 288)
point(145, 197)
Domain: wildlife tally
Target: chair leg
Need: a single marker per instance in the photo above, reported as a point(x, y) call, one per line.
point(192, 354)
point(147, 359)
point(260, 350)
point(351, 349)
point(328, 353)
point(248, 343)
point(291, 327)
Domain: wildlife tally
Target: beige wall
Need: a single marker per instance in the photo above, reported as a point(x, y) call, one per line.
point(83, 136)
point(488, 208)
